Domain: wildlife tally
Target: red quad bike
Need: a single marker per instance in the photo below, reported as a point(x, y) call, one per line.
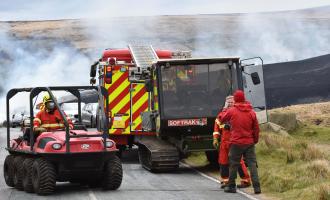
point(36, 163)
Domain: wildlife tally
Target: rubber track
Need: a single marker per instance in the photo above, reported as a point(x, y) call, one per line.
point(47, 177)
point(113, 174)
point(159, 160)
point(27, 175)
point(9, 161)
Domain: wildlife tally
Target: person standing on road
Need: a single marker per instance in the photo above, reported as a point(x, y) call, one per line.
point(223, 133)
point(244, 129)
point(49, 118)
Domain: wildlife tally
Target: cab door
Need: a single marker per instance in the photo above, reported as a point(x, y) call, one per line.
point(253, 85)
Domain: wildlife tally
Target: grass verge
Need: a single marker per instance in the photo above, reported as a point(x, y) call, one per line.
point(293, 167)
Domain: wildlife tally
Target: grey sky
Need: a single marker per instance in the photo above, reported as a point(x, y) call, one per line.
point(64, 9)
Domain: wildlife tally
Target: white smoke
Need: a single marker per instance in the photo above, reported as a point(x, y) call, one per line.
point(272, 36)
point(276, 37)
point(284, 37)
point(77, 9)
point(28, 65)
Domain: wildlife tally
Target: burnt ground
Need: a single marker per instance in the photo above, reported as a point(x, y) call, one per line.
point(304, 34)
point(298, 82)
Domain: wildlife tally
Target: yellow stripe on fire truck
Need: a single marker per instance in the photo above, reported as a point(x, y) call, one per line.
point(138, 104)
point(155, 93)
point(119, 100)
point(121, 90)
point(115, 77)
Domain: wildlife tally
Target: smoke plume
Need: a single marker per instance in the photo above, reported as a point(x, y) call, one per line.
point(25, 64)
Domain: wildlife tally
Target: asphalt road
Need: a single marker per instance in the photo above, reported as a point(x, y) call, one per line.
point(137, 184)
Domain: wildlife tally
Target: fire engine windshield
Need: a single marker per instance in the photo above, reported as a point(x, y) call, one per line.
point(192, 91)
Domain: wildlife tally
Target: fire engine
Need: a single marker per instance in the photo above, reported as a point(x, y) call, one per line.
point(165, 102)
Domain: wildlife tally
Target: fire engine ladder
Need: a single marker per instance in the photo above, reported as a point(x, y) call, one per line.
point(143, 57)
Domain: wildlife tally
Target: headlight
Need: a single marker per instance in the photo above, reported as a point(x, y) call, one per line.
point(57, 146)
point(109, 144)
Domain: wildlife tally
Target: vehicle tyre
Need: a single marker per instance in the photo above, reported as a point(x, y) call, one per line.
point(18, 172)
point(95, 183)
point(8, 170)
point(27, 175)
point(212, 157)
point(113, 174)
point(43, 177)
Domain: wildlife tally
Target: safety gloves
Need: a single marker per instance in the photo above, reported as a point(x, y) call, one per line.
point(216, 143)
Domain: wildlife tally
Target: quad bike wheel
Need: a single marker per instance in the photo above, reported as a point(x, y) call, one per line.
point(43, 177)
point(18, 172)
point(113, 174)
point(8, 170)
point(27, 175)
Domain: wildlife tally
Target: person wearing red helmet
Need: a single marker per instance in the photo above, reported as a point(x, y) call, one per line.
point(244, 129)
point(223, 133)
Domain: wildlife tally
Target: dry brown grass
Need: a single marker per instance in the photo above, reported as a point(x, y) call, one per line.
point(319, 169)
point(316, 113)
point(275, 141)
point(291, 156)
point(324, 192)
point(312, 152)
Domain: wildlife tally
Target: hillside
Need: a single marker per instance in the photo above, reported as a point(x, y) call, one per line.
point(35, 49)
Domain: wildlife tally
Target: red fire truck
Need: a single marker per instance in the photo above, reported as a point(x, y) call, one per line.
point(166, 102)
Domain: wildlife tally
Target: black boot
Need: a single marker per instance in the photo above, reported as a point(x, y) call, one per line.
point(223, 185)
point(257, 190)
point(230, 189)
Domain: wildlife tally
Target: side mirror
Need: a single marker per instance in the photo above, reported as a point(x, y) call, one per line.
point(92, 72)
point(255, 78)
point(92, 81)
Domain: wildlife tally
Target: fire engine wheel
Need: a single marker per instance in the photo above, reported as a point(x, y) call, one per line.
point(18, 172)
point(27, 175)
point(8, 171)
point(43, 177)
point(113, 174)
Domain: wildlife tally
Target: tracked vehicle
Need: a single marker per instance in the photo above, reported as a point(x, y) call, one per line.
point(166, 102)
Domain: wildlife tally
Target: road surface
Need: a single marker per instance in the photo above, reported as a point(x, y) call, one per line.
point(137, 184)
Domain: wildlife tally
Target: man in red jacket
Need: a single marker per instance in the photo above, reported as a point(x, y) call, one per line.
point(220, 132)
point(49, 118)
point(244, 131)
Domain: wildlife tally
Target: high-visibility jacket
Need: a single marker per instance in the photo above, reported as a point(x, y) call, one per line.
point(224, 135)
point(50, 121)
